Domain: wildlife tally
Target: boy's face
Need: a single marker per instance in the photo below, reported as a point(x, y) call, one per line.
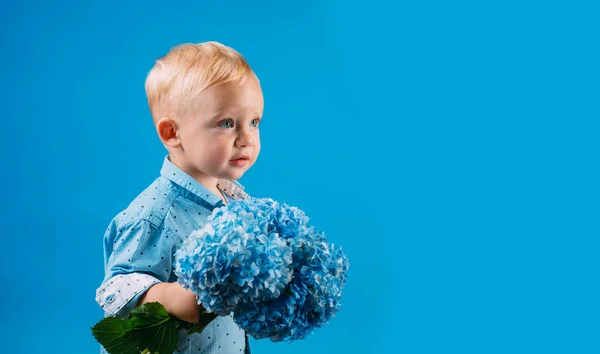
point(220, 138)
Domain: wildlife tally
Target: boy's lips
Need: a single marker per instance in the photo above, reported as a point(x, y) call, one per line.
point(242, 157)
point(240, 161)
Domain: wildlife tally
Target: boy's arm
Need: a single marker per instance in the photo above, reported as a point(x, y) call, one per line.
point(141, 256)
point(179, 302)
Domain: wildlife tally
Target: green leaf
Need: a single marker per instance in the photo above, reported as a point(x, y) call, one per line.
point(149, 329)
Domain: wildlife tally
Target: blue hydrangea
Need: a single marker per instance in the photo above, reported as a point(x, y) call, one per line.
point(261, 260)
point(309, 300)
point(234, 259)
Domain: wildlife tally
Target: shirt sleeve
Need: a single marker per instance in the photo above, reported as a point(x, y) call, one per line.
point(119, 295)
point(141, 256)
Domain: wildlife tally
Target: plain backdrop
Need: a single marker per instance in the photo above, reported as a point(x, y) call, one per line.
point(450, 148)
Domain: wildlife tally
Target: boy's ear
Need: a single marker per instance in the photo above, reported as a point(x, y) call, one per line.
point(168, 132)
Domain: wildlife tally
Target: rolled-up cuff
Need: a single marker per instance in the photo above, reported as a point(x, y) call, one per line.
point(119, 295)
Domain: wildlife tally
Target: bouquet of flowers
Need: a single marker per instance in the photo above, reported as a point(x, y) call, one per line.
point(255, 258)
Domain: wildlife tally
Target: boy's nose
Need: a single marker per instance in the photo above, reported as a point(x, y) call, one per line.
point(244, 139)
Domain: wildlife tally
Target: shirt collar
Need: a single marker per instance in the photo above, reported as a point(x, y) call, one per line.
point(187, 182)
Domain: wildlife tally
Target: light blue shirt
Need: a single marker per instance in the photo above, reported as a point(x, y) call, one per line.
point(139, 248)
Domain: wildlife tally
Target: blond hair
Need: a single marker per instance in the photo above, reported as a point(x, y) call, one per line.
point(187, 70)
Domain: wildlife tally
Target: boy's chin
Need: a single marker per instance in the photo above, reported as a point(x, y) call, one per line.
point(233, 175)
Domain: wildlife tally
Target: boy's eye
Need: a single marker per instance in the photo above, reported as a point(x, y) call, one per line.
point(226, 123)
point(255, 122)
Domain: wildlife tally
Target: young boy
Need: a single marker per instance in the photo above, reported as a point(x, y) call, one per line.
point(206, 104)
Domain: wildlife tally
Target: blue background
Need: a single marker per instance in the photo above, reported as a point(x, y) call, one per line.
point(451, 148)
